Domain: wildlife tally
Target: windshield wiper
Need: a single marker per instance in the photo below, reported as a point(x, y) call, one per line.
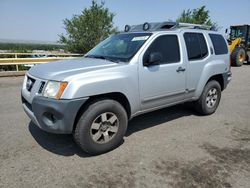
point(102, 57)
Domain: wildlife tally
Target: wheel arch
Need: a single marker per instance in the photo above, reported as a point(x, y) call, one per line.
point(117, 96)
point(219, 78)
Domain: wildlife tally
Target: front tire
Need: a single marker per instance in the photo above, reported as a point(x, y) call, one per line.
point(209, 99)
point(101, 127)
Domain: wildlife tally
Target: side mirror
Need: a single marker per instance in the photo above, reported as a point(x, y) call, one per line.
point(226, 30)
point(154, 58)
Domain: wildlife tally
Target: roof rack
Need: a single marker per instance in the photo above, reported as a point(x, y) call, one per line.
point(155, 26)
point(195, 26)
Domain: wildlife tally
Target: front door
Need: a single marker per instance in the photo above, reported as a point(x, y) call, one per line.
point(164, 83)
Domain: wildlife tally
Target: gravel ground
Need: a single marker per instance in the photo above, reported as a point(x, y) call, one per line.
point(173, 147)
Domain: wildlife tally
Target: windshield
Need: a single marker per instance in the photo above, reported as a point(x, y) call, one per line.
point(120, 47)
point(237, 32)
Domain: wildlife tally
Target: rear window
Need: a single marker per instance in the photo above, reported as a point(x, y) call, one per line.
point(219, 43)
point(196, 46)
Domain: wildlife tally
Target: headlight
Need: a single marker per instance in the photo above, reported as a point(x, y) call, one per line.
point(54, 89)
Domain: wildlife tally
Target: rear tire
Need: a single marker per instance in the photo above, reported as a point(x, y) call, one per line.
point(101, 127)
point(238, 56)
point(209, 99)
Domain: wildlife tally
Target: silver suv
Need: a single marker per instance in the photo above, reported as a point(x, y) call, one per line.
point(144, 68)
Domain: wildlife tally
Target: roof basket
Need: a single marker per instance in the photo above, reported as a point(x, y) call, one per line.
point(163, 26)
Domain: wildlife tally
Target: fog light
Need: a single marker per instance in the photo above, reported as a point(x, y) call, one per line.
point(49, 118)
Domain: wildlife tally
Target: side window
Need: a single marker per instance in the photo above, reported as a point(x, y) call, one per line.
point(203, 45)
point(196, 46)
point(219, 43)
point(168, 46)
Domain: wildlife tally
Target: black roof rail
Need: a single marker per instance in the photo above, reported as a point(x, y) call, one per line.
point(155, 26)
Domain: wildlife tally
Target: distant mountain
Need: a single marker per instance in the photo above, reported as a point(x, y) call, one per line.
point(12, 41)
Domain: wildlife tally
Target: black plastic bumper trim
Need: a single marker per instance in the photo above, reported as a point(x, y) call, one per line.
point(56, 116)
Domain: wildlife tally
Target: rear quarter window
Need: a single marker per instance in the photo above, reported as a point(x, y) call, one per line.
point(219, 43)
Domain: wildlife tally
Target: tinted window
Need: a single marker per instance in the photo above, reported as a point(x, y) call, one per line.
point(168, 46)
point(203, 45)
point(196, 46)
point(219, 43)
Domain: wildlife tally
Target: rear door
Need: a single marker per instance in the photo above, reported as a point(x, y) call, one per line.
point(197, 56)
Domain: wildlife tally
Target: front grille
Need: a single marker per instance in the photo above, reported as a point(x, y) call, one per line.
point(41, 87)
point(30, 83)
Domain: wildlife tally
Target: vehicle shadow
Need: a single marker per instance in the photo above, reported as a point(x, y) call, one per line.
point(64, 144)
point(60, 144)
point(158, 117)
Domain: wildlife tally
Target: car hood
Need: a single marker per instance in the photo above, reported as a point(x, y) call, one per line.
point(60, 70)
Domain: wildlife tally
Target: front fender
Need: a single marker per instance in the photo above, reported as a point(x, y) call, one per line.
point(123, 79)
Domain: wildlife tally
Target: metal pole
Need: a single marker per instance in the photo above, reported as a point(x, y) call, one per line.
point(17, 69)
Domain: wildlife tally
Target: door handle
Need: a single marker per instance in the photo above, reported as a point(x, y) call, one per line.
point(180, 69)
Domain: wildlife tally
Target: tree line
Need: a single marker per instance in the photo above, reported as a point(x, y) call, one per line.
point(95, 23)
point(19, 47)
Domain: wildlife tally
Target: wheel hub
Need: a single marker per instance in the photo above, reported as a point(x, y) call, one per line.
point(104, 127)
point(211, 97)
point(241, 57)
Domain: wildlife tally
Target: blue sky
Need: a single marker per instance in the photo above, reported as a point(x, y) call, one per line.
point(42, 19)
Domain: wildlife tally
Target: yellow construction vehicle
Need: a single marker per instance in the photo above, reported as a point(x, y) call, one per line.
point(239, 44)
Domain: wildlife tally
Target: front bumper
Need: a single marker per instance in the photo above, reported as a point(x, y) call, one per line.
point(54, 116)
